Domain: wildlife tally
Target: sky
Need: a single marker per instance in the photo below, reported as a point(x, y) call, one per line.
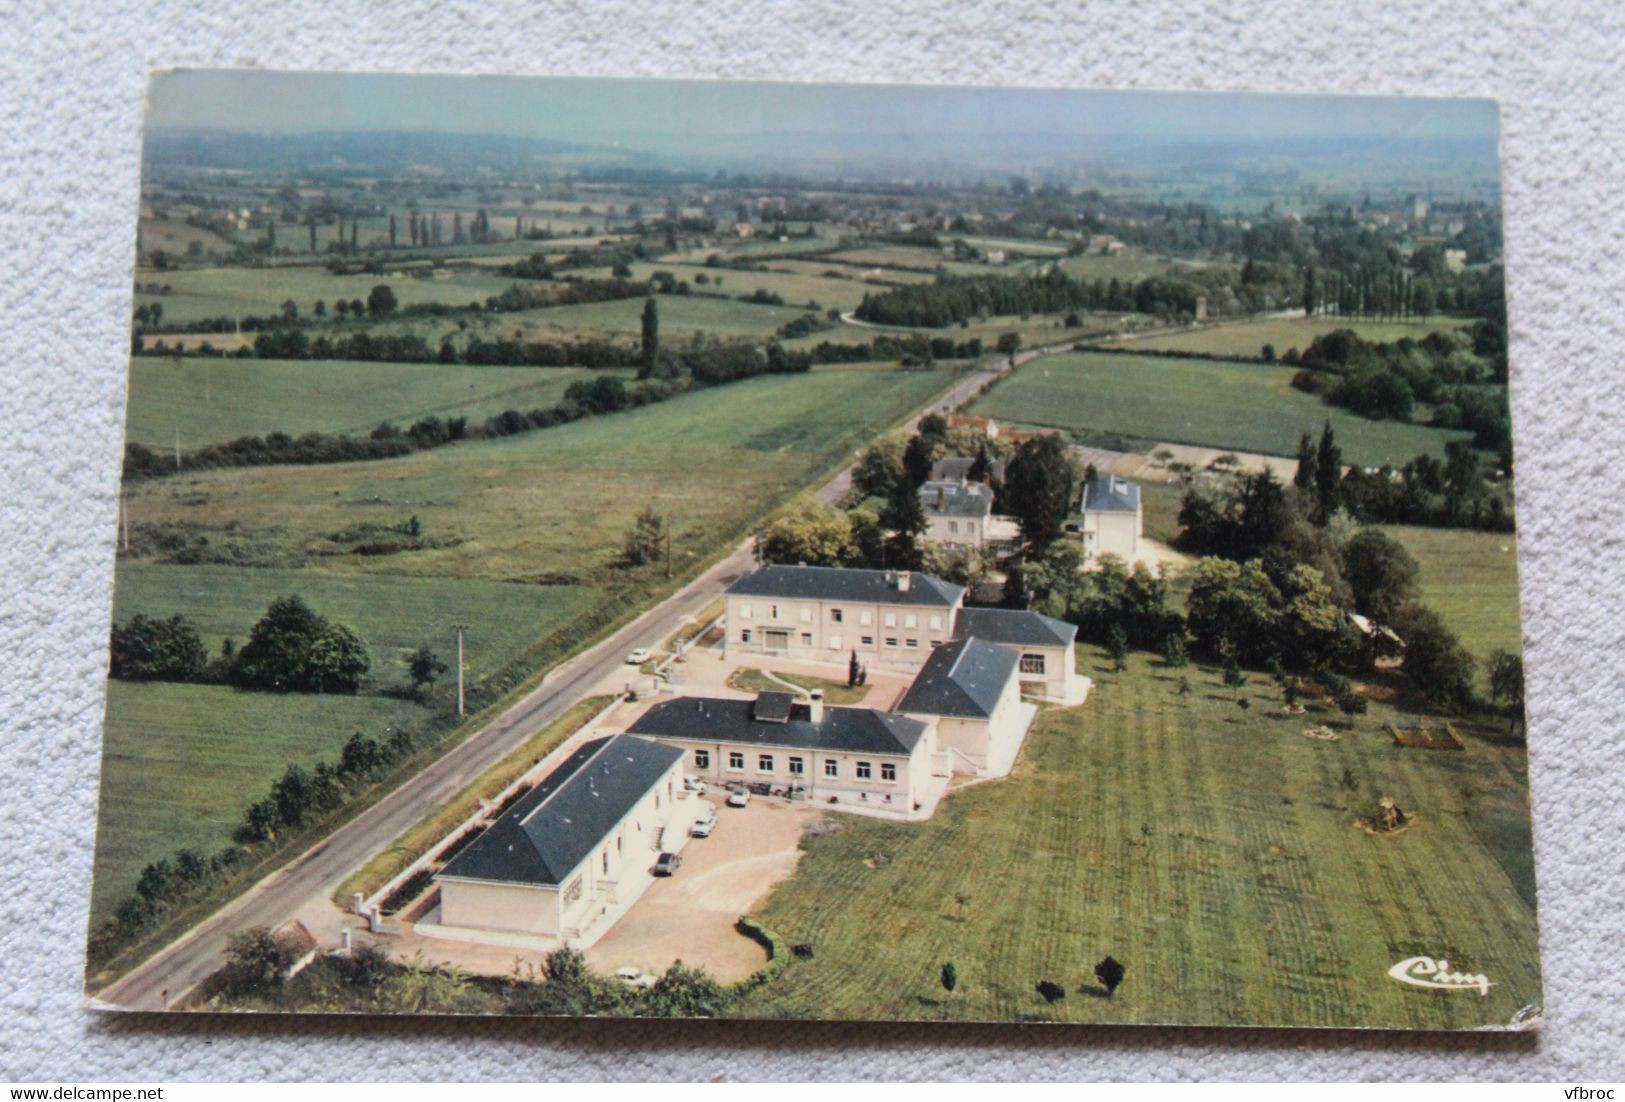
point(665, 116)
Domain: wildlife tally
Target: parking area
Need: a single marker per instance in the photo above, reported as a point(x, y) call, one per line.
point(690, 916)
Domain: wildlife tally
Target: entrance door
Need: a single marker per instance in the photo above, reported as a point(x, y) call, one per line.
point(777, 640)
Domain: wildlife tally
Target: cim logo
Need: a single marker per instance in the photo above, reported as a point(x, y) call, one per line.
point(1436, 975)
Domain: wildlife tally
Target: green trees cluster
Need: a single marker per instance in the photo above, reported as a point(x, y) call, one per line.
point(149, 649)
point(953, 300)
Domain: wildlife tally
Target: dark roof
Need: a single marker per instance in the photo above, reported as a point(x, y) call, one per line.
point(552, 828)
point(774, 707)
point(956, 468)
point(835, 583)
point(956, 499)
point(1111, 494)
point(856, 730)
point(1014, 627)
point(962, 678)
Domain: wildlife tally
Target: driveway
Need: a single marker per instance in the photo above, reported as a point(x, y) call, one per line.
point(690, 916)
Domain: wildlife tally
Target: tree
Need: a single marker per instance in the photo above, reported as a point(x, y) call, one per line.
point(1008, 345)
point(1381, 574)
point(1304, 478)
point(919, 456)
point(1435, 661)
point(1052, 581)
point(1174, 654)
point(1328, 474)
point(815, 536)
point(684, 992)
point(647, 538)
point(853, 669)
point(292, 649)
point(381, 301)
point(879, 469)
point(1507, 685)
point(651, 339)
point(425, 665)
point(254, 961)
point(1117, 647)
point(1351, 704)
point(904, 517)
point(1038, 489)
point(145, 649)
point(1110, 973)
point(950, 977)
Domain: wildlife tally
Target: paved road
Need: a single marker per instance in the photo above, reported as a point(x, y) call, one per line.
point(320, 870)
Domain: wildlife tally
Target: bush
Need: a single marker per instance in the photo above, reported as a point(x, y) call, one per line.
point(292, 649)
point(409, 889)
point(145, 649)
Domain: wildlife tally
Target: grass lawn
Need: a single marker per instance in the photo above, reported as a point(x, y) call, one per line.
point(681, 316)
point(1470, 579)
point(874, 283)
point(901, 256)
point(181, 762)
point(1210, 850)
point(1249, 338)
point(1223, 405)
point(835, 692)
point(211, 401)
point(224, 602)
point(1126, 265)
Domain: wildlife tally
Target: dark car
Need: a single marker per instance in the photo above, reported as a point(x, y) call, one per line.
point(668, 864)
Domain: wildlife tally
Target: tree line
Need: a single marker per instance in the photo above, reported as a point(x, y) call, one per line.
point(955, 300)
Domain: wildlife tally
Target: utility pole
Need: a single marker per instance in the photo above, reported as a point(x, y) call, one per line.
point(459, 629)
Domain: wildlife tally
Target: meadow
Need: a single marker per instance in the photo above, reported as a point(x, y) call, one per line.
point(1237, 889)
point(1249, 338)
point(1153, 399)
point(681, 316)
point(1471, 580)
point(215, 292)
point(1126, 265)
point(210, 401)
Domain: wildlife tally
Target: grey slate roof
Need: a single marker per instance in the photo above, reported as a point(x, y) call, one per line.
point(710, 719)
point(1110, 494)
point(836, 583)
point(956, 499)
point(963, 678)
point(772, 707)
point(956, 468)
point(557, 824)
point(1014, 627)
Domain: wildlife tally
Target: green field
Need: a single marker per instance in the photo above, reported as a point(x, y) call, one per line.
point(1249, 338)
point(1212, 851)
point(214, 292)
point(1126, 265)
point(1213, 404)
point(211, 401)
point(887, 257)
point(681, 316)
point(1470, 579)
point(181, 762)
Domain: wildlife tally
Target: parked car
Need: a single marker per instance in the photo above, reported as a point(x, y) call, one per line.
point(694, 784)
point(637, 657)
point(702, 828)
point(634, 977)
point(668, 863)
point(739, 797)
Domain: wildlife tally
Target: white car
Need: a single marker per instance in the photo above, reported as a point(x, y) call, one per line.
point(634, 977)
point(637, 657)
point(739, 797)
point(694, 785)
point(702, 828)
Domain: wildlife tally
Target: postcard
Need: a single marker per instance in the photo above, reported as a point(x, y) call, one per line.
point(700, 549)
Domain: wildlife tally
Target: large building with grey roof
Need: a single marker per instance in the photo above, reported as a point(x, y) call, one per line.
point(1046, 665)
point(969, 690)
point(576, 849)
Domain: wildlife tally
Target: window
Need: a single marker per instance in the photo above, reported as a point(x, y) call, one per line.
point(806, 638)
point(764, 763)
point(866, 617)
point(834, 642)
point(702, 759)
point(913, 642)
point(868, 640)
point(620, 844)
point(936, 623)
point(832, 768)
point(863, 770)
point(774, 612)
point(657, 801)
point(911, 620)
point(1032, 663)
point(744, 611)
point(573, 892)
point(736, 759)
point(606, 859)
point(834, 615)
point(888, 771)
point(797, 767)
point(891, 619)
point(891, 640)
point(744, 635)
point(953, 527)
point(806, 615)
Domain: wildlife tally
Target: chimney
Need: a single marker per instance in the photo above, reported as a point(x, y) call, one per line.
point(902, 581)
point(942, 497)
point(815, 705)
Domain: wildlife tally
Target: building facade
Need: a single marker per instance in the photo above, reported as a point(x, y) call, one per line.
point(970, 690)
point(1047, 665)
point(1109, 519)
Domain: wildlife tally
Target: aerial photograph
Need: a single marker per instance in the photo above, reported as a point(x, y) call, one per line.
point(673, 549)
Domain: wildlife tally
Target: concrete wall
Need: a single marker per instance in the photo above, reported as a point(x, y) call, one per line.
point(913, 770)
point(1059, 669)
point(813, 631)
point(1112, 534)
point(510, 907)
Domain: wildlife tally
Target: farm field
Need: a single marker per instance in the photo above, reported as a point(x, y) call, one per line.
point(796, 288)
point(1154, 399)
point(1471, 579)
point(1125, 265)
point(1248, 338)
point(681, 316)
point(819, 265)
point(224, 602)
point(553, 504)
point(1237, 890)
point(214, 292)
point(899, 256)
point(210, 401)
point(180, 763)
point(1028, 246)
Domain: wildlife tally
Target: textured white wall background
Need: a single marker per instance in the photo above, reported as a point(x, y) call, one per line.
point(71, 102)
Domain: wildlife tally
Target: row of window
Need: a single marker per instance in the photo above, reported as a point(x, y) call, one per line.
point(765, 763)
point(745, 636)
point(838, 616)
